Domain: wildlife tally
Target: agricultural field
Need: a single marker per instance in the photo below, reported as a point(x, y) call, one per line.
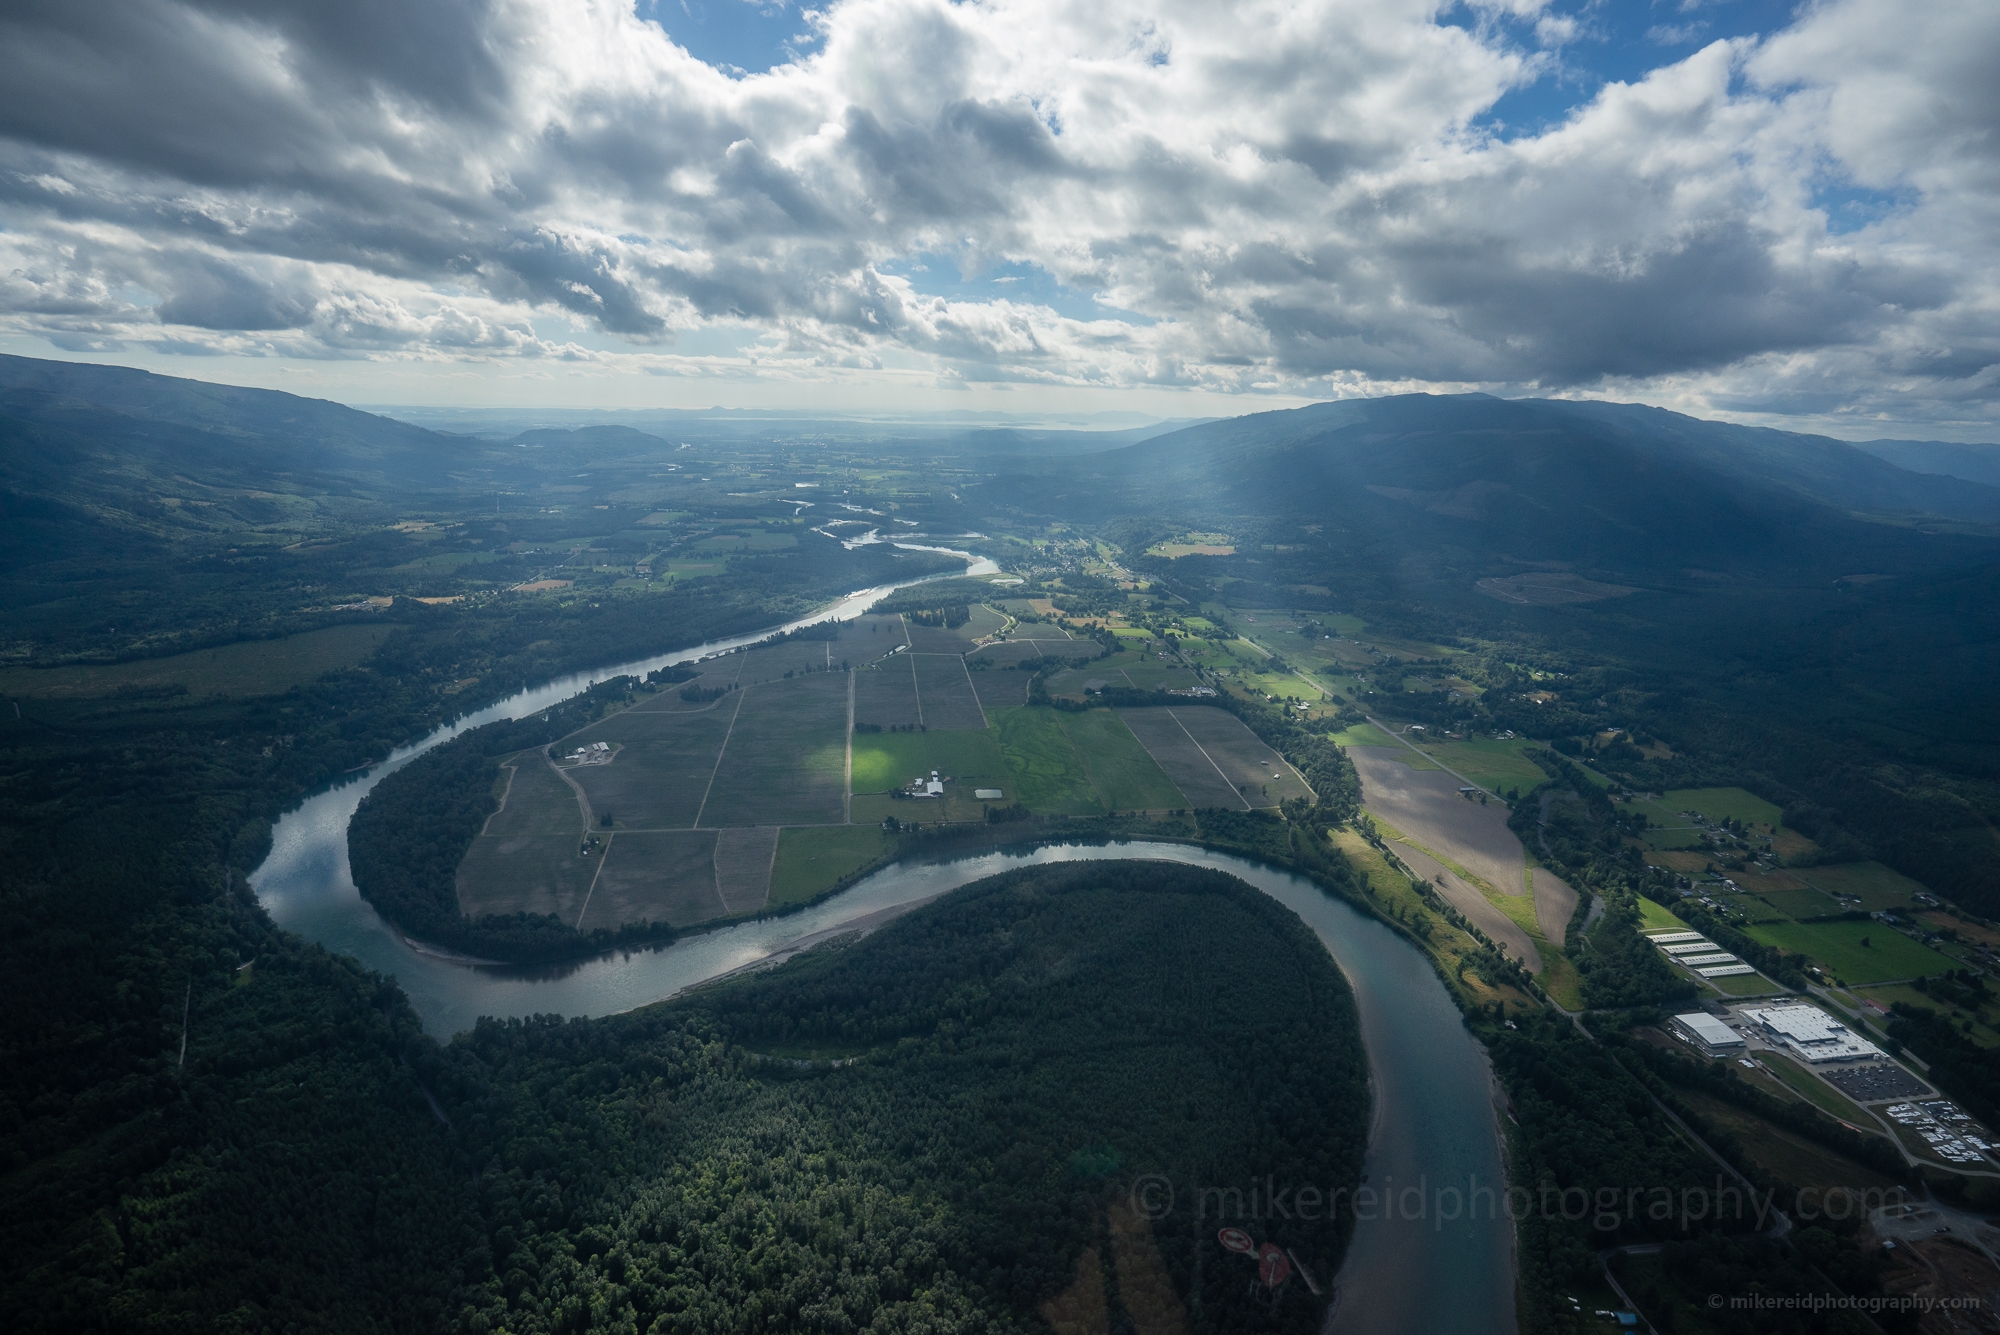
point(1427, 807)
point(1125, 776)
point(885, 694)
point(1658, 917)
point(1258, 772)
point(1363, 734)
point(1724, 803)
point(1875, 886)
point(945, 698)
point(812, 861)
point(1498, 766)
point(1803, 902)
point(997, 688)
point(1212, 758)
point(784, 761)
point(1167, 740)
point(663, 762)
point(1045, 773)
point(247, 668)
point(889, 760)
point(1837, 947)
point(659, 875)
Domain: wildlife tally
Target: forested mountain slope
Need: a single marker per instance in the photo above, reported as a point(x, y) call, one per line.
point(1617, 490)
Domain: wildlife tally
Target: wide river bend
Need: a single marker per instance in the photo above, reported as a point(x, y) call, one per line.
point(1436, 1259)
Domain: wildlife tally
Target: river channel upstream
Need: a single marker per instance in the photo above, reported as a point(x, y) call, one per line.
point(1438, 1256)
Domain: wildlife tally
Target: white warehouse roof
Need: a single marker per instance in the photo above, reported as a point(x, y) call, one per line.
point(1668, 938)
point(1814, 1034)
point(1695, 947)
point(1709, 1030)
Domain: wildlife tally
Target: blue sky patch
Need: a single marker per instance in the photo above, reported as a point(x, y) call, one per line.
point(736, 36)
point(1616, 41)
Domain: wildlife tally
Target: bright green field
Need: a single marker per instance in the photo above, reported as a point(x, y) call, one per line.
point(1046, 772)
point(1658, 918)
point(1718, 803)
point(1836, 947)
point(1491, 764)
point(1363, 734)
point(1126, 777)
point(1878, 887)
point(811, 860)
point(886, 760)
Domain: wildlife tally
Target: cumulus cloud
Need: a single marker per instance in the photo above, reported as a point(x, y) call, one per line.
point(1294, 197)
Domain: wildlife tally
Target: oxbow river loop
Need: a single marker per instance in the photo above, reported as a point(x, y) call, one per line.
point(1423, 1262)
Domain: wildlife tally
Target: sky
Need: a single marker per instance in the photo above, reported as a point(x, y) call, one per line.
point(1775, 213)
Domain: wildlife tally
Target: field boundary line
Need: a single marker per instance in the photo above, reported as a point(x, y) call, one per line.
point(715, 868)
point(771, 867)
point(720, 751)
point(512, 770)
point(1210, 759)
point(609, 839)
point(974, 689)
point(847, 789)
point(915, 689)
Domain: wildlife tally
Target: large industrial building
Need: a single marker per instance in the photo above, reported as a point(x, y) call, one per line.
point(1812, 1034)
point(1709, 1034)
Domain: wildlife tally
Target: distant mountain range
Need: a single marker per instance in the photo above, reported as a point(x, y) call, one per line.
point(1974, 463)
point(1609, 488)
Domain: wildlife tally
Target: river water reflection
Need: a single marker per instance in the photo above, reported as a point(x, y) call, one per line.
point(1435, 1129)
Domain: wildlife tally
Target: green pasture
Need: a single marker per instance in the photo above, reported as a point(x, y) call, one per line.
point(1498, 765)
point(1836, 947)
point(1658, 918)
point(886, 760)
point(1804, 902)
point(1724, 803)
point(811, 861)
point(1046, 773)
point(1363, 734)
point(248, 667)
point(1125, 776)
point(1876, 886)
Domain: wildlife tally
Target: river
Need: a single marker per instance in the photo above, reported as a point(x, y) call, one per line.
point(1431, 1267)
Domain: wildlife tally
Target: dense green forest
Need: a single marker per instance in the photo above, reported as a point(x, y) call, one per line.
point(930, 1127)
